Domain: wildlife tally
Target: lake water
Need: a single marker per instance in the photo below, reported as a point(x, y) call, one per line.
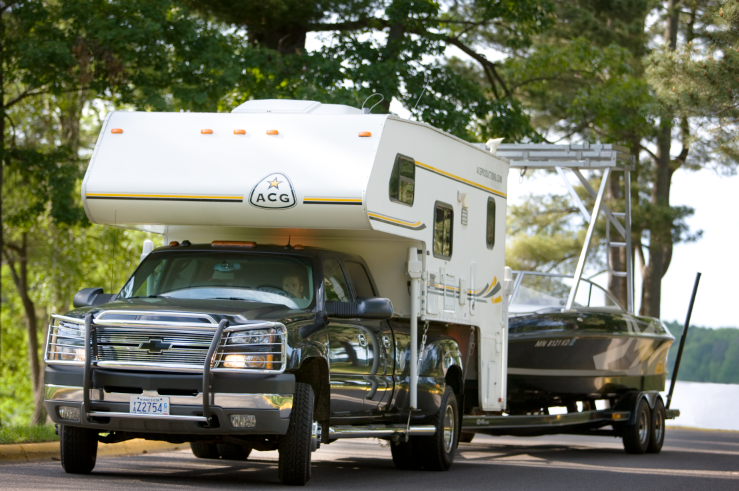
point(704, 405)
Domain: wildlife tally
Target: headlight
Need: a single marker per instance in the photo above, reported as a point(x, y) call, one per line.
point(246, 361)
point(258, 336)
point(66, 342)
point(244, 349)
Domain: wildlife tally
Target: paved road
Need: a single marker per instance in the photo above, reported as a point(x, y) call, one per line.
point(689, 460)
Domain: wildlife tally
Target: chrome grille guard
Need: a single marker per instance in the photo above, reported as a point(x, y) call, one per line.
point(272, 354)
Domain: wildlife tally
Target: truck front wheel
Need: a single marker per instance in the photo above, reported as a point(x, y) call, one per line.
point(438, 450)
point(295, 445)
point(79, 449)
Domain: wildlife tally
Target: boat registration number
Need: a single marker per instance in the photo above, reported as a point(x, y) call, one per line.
point(155, 406)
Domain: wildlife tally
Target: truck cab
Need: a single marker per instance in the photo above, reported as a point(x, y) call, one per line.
point(268, 318)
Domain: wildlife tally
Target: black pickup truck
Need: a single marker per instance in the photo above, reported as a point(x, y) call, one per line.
point(235, 346)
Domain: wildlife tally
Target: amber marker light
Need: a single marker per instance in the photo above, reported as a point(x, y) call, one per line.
point(233, 243)
point(116, 130)
point(206, 132)
point(174, 243)
point(272, 132)
point(365, 133)
point(239, 132)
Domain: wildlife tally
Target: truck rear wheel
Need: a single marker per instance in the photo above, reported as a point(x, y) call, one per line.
point(204, 450)
point(79, 449)
point(636, 437)
point(295, 445)
point(657, 428)
point(438, 451)
point(231, 451)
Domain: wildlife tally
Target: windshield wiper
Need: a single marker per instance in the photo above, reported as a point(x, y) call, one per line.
point(233, 298)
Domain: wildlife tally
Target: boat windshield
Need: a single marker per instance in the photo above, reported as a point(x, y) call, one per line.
point(537, 292)
point(204, 275)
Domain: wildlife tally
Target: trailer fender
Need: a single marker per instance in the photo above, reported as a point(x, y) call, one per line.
point(631, 400)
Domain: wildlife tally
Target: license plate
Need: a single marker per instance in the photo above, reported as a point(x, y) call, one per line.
point(156, 406)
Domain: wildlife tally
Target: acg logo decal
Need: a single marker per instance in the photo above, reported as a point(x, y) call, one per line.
point(273, 192)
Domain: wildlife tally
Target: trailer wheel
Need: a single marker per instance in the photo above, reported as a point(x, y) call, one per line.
point(204, 450)
point(295, 445)
point(636, 436)
point(657, 428)
point(231, 451)
point(406, 455)
point(79, 449)
point(438, 450)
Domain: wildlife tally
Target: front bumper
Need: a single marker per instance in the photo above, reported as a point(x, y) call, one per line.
point(266, 397)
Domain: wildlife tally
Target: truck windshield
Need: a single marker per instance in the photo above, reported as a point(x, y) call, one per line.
point(276, 279)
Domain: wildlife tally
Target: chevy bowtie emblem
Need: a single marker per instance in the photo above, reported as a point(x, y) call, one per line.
point(155, 346)
point(273, 192)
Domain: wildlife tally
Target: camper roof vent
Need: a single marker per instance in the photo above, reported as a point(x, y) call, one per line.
point(287, 106)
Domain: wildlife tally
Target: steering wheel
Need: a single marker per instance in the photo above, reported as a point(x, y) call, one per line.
point(275, 290)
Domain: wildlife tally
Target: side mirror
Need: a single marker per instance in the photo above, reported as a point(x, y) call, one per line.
point(364, 308)
point(88, 297)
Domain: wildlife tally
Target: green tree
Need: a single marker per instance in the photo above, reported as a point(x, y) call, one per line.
point(57, 58)
point(392, 47)
point(588, 78)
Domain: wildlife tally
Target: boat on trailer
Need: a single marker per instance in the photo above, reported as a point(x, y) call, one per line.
point(597, 350)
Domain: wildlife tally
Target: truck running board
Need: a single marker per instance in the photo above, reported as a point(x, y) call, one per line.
point(378, 431)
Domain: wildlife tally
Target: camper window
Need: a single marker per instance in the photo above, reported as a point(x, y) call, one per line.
point(443, 230)
point(490, 233)
point(360, 279)
point(334, 282)
point(403, 180)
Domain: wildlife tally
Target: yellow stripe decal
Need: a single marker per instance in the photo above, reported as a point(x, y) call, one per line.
point(165, 196)
point(408, 224)
point(460, 179)
point(334, 200)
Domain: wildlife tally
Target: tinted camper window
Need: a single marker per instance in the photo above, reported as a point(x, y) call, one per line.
point(490, 231)
point(443, 229)
point(403, 180)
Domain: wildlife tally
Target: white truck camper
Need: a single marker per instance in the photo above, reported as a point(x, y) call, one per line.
point(327, 274)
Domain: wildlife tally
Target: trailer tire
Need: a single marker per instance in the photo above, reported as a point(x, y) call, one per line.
point(79, 449)
point(636, 437)
point(657, 427)
point(295, 445)
point(438, 451)
point(406, 455)
point(231, 451)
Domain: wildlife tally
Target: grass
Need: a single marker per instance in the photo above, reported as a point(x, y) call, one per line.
point(16, 433)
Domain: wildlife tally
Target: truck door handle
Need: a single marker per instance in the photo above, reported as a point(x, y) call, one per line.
point(362, 340)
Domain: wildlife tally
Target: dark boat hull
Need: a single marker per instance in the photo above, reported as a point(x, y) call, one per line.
point(558, 358)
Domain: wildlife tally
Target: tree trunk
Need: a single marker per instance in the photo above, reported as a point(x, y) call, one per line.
point(20, 279)
point(660, 233)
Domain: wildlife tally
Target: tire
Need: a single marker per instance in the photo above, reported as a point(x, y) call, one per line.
point(406, 455)
point(657, 428)
point(204, 450)
point(295, 445)
point(636, 437)
point(466, 437)
point(79, 449)
point(438, 451)
point(231, 451)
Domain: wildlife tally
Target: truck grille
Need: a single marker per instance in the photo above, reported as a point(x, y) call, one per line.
point(142, 345)
point(147, 342)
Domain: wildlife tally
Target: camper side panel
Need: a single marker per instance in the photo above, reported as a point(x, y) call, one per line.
point(457, 210)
